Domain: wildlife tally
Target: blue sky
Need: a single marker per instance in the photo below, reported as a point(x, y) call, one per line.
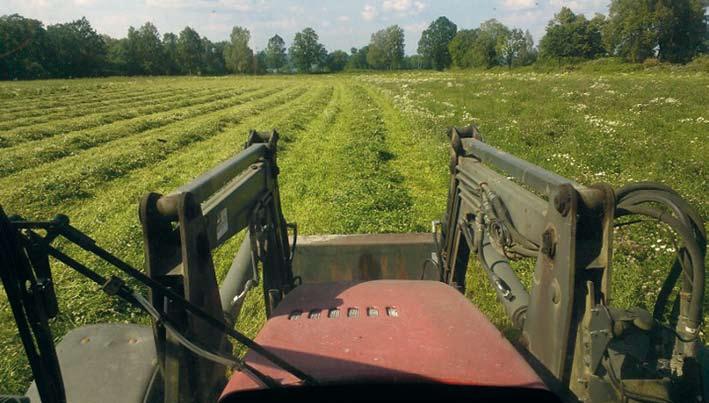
point(340, 24)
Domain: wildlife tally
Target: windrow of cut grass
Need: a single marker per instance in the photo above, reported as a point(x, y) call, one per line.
point(57, 92)
point(111, 217)
point(420, 154)
point(73, 178)
point(29, 154)
point(337, 177)
point(106, 105)
point(89, 121)
point(24, 107)
point(56, 89)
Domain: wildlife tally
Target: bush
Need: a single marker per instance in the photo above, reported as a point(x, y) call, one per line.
point(699, 63)
point(651, 62)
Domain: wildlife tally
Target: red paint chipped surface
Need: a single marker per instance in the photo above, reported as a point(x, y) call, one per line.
point(437, 335)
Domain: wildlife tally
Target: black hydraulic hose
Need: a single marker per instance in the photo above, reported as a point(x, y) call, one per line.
point(686, 222)
point(229, 362)
point(696, 275)
point(670, 194)
point(76, 237)
point(138, 301)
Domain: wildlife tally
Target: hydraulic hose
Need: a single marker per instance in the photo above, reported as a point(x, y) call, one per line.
point(684, 220)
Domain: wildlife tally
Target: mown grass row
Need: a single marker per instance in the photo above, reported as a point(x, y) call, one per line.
point(111, 218)
point(56, 89)
point(34, 107)
point(89, 121)
point(59, 92)
point(73, 178)
point(46, 150)
point(106, 105)
point(356, 190)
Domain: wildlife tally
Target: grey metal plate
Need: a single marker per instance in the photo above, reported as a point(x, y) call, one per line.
point(105, 363)
point(326, 258)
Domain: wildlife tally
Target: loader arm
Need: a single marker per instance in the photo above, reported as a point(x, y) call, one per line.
point(192, 315)
point(180, 231)
point(348, 309)
point(501, 209)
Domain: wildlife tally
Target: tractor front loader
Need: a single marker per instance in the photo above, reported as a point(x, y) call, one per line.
point(351, 317)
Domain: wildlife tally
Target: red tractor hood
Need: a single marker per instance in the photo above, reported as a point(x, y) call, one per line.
point(386, 331)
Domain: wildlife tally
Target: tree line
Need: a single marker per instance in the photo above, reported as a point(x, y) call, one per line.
point(669, 30)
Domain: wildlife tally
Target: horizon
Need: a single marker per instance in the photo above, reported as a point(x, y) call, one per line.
point(340, 26)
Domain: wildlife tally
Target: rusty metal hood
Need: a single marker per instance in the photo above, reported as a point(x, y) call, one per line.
point(386, 331)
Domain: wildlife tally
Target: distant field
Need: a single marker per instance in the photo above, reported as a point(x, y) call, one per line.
point(359, 154)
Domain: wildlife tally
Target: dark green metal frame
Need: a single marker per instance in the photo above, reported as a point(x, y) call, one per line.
point(565, 319)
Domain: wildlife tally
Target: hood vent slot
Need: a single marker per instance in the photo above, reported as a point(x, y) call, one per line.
point(351, 312)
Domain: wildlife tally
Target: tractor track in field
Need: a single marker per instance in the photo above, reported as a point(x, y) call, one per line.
point(21, 113)
point(421, 158)
point(357, 190)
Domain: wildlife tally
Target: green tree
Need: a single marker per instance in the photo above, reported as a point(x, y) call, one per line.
point(358, 58)
point(569, 35)
point(306, 53)
point(638, 29)
point(461, 47)
point(434, 41)
point(416, 62)
point(169, 45)
point(518, 48)
point(24, 48)
point(490, 44)
point(238, 56)
point(144, 51)
point(630, 32)
point(189, 51)
point(78, 51)
point(681, 28)
point(213, 57)
point(260, 63)
point(276, 53)
point(386, 48)
point(337, 60)
point(528, 54)
point(116, 56)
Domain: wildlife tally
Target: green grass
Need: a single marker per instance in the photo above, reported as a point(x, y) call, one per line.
point(360, 153)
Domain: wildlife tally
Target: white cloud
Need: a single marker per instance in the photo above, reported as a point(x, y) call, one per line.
point(343, 18)
point(234, 5)
point(519, 4)
point(369, 12)
point(409, 7)
point(579, 6)
point(415, 27)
